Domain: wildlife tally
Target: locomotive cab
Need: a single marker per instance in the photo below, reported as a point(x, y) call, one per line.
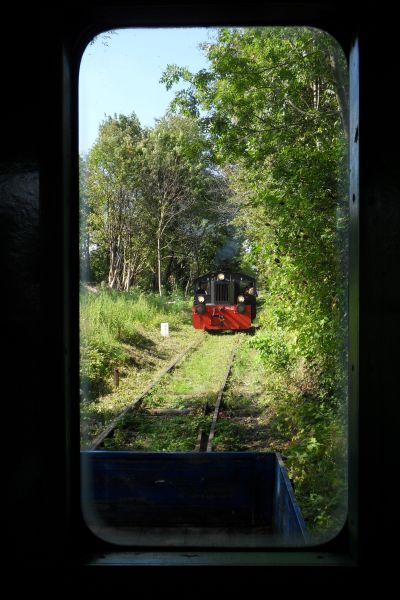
point(224, 301)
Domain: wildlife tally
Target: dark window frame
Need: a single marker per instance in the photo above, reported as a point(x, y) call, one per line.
point(342, 550)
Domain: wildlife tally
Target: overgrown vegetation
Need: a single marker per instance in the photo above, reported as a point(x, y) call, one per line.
point(247, 170)
point(112, 323)
point(271, 405)
point(307, 424)
point(191, 386)
point(274, 102)
point(122, 330)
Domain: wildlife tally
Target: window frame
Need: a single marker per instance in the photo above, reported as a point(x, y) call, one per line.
point(340, 551)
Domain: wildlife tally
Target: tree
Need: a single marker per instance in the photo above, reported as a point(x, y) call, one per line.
point(179, 191)
point(84, 232)
point(153, 202)
point(113, 185)
point(274, 105)
point(273, 102)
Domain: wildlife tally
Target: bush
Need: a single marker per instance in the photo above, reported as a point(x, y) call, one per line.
point(306, 386)
point(98, 356)
point(273, 350)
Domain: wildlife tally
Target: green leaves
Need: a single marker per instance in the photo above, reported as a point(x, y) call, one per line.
point(273, 350)
point(274, 104)
point(153, 205)
point(173, 74)
point(253, 148)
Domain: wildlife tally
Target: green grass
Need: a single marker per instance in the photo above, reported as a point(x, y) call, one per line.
point(274, 400)
point(112, 322)
point(243, 421)
point(191, 385)
point(122, 330)
point(199, 376)
point(158, 433)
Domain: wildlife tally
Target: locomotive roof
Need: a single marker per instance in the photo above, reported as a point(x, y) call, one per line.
point(228, 274)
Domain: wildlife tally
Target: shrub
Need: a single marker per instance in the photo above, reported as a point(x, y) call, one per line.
point(273, 350)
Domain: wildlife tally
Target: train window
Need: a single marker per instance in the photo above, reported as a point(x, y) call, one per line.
point(214, 228)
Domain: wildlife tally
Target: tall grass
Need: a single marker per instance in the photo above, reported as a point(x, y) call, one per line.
point(112, 320)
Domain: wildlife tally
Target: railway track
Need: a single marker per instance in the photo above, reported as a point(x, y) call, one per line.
point(140, 415)
point(136, 403)
point(205, 439)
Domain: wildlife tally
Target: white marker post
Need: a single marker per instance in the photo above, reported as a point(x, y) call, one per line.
point(165, 329)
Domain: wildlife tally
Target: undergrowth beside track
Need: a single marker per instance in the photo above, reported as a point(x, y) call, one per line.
point(278, 401)
point(275, 400)
point(122, 330)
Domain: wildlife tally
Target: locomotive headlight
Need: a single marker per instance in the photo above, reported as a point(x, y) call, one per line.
point(200, 298)
point(240, 298)
point(220, 276)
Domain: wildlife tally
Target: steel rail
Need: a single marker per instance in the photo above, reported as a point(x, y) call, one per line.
point(218, 403)
point(138, 400)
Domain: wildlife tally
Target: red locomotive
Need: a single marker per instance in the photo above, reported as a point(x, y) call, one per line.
point(224, 301)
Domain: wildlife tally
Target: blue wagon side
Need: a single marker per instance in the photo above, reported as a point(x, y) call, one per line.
point(214, 499)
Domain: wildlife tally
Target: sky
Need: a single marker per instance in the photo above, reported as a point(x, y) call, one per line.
point(120, 74)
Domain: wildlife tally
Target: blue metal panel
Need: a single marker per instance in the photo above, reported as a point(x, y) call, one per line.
point(189, 489)
point(288, 522)
point(231, 490)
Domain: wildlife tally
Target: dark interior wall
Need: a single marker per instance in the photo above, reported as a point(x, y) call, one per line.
point(37, 298)
point(20, 259)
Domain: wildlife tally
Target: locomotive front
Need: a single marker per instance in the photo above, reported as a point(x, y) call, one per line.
point(224, 301)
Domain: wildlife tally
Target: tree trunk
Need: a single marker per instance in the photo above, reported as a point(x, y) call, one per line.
point(169, 268)
point(127, 279)
point(188, 284)
point(111, 270)
point(159, 265)
point(85, 260)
